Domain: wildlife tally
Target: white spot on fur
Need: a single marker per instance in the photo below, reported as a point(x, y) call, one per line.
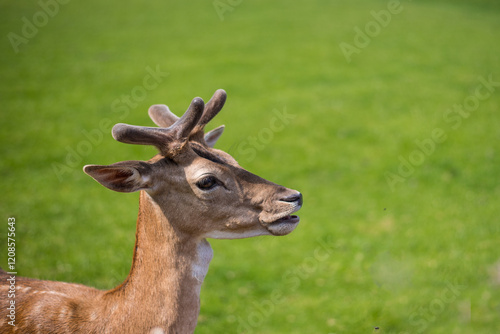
point(93, 316)
point(113, 308)
point(157, 330)
point(55, 293)
point(23, 289)
point(37, 309)
point(63, 314)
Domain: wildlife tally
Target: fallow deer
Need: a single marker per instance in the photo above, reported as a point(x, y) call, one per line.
point(188, 192)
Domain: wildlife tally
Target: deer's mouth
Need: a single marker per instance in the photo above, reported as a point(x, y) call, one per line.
point(283, 225)
point(289, 219)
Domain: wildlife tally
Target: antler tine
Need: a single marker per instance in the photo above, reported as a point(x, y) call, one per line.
point(212, 108)
point(142, 135)
point(169, 141)
point(190, 118)
point(162, 116)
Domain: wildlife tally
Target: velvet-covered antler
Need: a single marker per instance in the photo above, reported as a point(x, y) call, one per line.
point(169, 140)
point(173, 132)
point(163, 117)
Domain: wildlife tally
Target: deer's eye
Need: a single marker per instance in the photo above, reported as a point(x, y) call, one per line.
point(207, 183)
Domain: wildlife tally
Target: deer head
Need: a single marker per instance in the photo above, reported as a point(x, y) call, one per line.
point(202, 191)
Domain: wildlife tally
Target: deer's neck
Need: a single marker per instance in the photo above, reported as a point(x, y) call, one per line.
point(168, 269)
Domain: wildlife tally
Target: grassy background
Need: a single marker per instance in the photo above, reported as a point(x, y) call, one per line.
point(419, 256)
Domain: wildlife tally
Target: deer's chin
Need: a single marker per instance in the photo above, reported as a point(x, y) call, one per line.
point(283, 226)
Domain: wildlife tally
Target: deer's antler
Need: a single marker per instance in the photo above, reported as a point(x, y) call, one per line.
point(163, 117)
point(211, 110)
point(169, 140)
point(173, 132)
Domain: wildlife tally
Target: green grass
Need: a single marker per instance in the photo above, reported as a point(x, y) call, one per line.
point(420, 256)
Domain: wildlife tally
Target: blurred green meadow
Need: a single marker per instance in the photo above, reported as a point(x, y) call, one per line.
point(384, 114)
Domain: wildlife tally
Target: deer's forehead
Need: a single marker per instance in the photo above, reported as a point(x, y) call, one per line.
point(196, 163)
point(202, 165)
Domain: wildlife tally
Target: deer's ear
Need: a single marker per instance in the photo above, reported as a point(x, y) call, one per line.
point(123, 177)
point(211, 137)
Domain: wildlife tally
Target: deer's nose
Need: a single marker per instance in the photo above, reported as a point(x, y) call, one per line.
point(297, 197)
